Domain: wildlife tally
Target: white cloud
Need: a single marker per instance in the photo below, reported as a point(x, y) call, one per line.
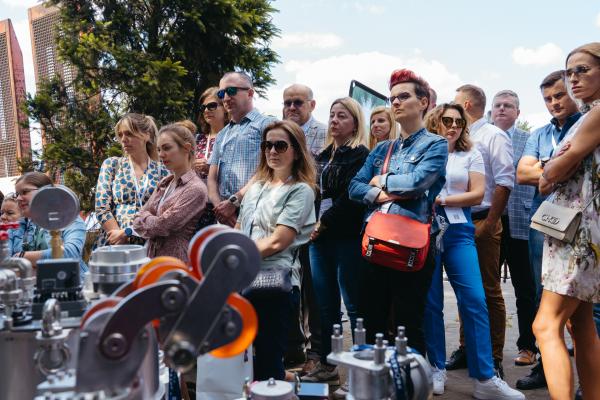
point(308, 40)
point(20, 3)
point(375, 9)
point(330, 78)
point(546, 54)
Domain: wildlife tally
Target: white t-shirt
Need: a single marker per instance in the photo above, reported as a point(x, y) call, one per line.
point(460, 163)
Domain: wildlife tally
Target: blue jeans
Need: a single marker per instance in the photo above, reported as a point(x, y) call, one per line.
point(536, 249)
point(336, 265)
point(462, 267)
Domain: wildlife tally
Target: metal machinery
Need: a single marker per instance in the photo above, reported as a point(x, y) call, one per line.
point(379, 371)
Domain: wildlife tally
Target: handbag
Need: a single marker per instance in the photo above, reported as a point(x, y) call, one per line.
point(558, 221)
point(270, 281)
point(395, 241)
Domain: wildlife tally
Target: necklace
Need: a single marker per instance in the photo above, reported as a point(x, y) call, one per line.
point(587, 107)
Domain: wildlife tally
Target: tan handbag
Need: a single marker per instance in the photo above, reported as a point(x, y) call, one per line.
point(558, 221)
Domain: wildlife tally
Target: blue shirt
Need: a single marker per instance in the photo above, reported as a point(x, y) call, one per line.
point(417, 171)
point(36, 238)
point(237, 152)
point(540, 145)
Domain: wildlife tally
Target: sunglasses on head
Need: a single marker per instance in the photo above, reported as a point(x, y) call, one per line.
point(230, 91)
point(297, 103)
point(449, 121)
point(281, 146)
point(212, 106)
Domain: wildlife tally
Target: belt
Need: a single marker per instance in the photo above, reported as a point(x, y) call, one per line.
point(480, 214)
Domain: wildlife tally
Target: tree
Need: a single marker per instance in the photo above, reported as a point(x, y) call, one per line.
point(150, 56)
point(524, 125)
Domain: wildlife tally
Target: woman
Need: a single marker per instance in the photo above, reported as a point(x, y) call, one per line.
point(465, 187)
point(126, 183)
point(212, 119)
point(10, 209)
point(571, 271)
point(415, 178)
point(33, 242)
point(383, 126)
point(169, 219)
point(278, 214)
point(335, 249)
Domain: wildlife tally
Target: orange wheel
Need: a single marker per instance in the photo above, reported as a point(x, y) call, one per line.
point(101, 305)
point(196, 244)
point(154, 274)
point(163, 260)
point(249, 328)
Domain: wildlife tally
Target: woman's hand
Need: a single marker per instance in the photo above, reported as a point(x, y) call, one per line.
point(563, 149)
point(201, 165)
point(376, 181)
point(544, 186)
point(117, 236)
point(385, 197)
point(319, 228)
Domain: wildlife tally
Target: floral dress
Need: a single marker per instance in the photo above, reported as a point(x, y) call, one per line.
point(204, 149)
point(120, 195)
point(573, 269)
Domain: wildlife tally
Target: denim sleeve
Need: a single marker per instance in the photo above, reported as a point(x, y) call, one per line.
point(531, 147)
point(73, 238)
point(359, 189)
point(425, 174)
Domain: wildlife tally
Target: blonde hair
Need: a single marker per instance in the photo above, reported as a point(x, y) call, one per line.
point(181, 136)
point(189, 125)
point(433, 121)
point(355, 111)
point(303, 168)
point(392, 134)
point(592, 49)
point(138, 124)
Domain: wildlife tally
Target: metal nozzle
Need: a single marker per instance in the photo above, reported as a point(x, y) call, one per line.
point(360, 333)
point(379, 353)
point(337, 339)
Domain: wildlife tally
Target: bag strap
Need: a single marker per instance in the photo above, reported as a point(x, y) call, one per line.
point(388, 156)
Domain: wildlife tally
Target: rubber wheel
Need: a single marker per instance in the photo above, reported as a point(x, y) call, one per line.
point(249, 328)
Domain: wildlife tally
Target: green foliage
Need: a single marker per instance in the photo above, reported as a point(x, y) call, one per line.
point(524, 125)
point(149, 56)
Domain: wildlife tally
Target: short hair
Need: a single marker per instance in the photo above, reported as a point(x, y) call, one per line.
point(138, 124)
point(181, 135)
point(507, 92)
point(476, 95)
point(552, 78)
point(309, 91)
point(407, 76)
point(355, 111)
point(433, 120)
point(432, 95)
point(241, 75)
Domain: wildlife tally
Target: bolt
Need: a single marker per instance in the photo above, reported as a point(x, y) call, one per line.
point(114, 345)
point(401, 331)
point(230, 328)
point(172, 298)
point(182, 355)
point(232, 261)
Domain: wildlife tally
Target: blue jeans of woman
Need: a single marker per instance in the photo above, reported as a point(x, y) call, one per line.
point(459, 257)
point(273, 328)
point(336, 265)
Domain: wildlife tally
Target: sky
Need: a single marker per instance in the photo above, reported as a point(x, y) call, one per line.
point(327, 43)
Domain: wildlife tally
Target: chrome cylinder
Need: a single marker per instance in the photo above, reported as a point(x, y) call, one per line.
point(111, 266)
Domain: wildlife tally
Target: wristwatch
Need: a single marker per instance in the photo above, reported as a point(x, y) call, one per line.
point(128, 232)
point(235, 201)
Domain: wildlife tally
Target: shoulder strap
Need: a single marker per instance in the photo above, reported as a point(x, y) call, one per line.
point(388, 156)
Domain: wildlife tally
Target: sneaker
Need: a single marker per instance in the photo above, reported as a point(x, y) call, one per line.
point(308, 366)
point(322, 373)
point(495, 389)
point(341, 392)
point(458, 359)
point(439, 380)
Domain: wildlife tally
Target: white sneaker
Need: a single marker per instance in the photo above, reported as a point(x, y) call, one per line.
point(439, 380)
point(495, 389)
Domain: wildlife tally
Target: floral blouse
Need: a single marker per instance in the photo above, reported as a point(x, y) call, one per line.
point(120, 195)
point(204, 148)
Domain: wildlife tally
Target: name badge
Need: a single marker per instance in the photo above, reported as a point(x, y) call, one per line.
point(455, 215)
point(325, 205)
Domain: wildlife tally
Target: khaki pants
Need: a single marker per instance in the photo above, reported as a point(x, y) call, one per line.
point(488, 253)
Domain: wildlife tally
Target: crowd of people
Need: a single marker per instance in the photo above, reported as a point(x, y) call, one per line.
point(306, 192)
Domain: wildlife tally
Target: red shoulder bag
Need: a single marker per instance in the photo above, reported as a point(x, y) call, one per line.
point(395, 241)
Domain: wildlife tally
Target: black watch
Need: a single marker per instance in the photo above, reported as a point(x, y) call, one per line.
point(234, 200)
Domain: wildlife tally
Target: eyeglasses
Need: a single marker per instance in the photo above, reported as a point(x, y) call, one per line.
point(212, 106)
point(449, 121)
point(281, 146)
point(231, 91)
point(297, 103)
point(578, 70)
point(402, 97)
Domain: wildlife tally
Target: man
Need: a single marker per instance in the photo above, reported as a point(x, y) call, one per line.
point(432, 100)
point(237, 148)
point(514, 248)
point(496, 149)
point(539, 148)
point(298, 105)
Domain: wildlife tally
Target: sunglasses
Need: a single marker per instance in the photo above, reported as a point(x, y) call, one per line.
point(402, 97)
point(212, 106)
point(281, 146)
point(230, 91)
point(578, 70)
point(297, 103)
point(449, 121)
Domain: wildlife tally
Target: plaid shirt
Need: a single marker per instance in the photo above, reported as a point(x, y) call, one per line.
point(236, 152)
point(316, 133)
point(519, 202)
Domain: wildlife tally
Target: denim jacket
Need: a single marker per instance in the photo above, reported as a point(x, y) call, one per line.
point(417, 171)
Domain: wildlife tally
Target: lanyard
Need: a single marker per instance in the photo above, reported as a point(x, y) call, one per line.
point(167, 193)
point(554, 144)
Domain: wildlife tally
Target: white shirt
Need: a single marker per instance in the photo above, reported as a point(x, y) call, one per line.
point(496, 149)
point(460, 164)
